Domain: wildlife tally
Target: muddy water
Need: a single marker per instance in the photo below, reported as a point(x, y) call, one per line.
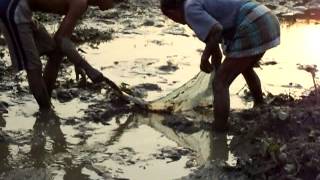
point(136, 59)
point(136, 146)
point(298, 46)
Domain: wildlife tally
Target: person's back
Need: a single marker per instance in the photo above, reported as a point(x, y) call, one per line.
point(52, 6)
point(224, 11)
point(204, 13)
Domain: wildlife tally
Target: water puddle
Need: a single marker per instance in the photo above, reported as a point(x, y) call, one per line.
point(137, 59)
point(137, 146)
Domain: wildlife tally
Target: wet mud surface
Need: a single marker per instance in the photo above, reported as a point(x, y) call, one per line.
point(93, 134)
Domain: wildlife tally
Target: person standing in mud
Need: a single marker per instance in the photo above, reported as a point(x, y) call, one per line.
point(246, 30)
point(27, 41)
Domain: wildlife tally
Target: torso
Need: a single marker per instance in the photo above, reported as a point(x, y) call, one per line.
point(50, 6)
point(224, 11)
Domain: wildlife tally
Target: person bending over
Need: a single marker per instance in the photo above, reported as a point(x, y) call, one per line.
point(27, 41)
point(245, 29)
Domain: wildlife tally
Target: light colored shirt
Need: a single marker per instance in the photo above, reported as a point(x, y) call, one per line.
point(202, 15)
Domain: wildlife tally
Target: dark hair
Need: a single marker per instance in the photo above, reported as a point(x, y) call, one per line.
point(171, 4)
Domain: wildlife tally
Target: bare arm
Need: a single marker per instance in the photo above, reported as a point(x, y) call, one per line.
point(76, 9)
point(216, 57)
point(212, 49)
point(62, 37)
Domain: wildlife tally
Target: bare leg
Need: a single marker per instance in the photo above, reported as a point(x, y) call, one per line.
point(51, 71)
point(225, 75)
point(47, 46)
point(221, 103)
point(38, 88)
point(254, 85)
point(33, 66)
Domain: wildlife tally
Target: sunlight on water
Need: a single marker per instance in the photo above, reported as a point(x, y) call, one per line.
point(168, 61)
point(299, 44)
point(137, 60)
point(124, 59)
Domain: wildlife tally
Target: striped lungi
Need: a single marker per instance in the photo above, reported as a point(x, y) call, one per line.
point(257, 31)
point(19, 31)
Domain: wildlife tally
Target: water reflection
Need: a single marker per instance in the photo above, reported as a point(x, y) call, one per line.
point(137, 130)
point(4, 148)
point(208, 145)
point(47, 125)
point(120, 130)
point(2, 121)
point(219, 147)
point(299, 44)
point(46, 142)
point(74, 171)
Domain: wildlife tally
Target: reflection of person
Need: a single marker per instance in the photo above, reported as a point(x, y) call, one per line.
point(247, 29)
point(219, 147)
point(4, 148)
point(4, 156)
point(2, 121)
point(27, 41)
point(47, 125)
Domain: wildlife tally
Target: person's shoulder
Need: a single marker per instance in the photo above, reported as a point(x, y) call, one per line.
point(191, 5)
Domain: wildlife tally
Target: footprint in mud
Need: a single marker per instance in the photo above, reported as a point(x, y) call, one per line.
point(125, 156)
point(149, 22)
point(174, 154)
point(170, 67)
point(141, 90)
point(66, 95)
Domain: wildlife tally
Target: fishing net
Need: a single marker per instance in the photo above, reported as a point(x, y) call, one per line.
point(195, 93)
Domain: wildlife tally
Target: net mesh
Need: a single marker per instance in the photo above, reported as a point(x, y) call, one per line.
point(195, 93)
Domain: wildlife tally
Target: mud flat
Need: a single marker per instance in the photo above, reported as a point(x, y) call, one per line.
point(94, 135)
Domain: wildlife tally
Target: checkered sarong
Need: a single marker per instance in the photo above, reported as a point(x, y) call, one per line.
point(257, 31)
